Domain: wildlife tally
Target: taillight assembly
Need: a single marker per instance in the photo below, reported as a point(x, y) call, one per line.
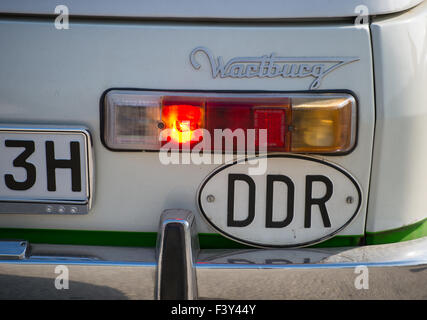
point(292, 122)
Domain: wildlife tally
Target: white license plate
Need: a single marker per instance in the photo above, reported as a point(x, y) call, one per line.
point(296, 200)
point(45, 170)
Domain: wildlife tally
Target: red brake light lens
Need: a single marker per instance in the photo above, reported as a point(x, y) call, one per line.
point(275, 122)
point(183, 120)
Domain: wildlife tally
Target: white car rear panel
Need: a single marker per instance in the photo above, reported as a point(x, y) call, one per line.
point(51, 76)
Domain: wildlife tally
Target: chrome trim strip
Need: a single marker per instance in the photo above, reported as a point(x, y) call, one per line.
point(80, 262)
point(309, 266)
point(407, 253)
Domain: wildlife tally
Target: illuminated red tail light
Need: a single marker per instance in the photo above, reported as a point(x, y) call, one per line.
point(148, 120)
point(183, 120)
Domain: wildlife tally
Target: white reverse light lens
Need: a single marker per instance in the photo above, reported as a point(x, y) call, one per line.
point(132, 121)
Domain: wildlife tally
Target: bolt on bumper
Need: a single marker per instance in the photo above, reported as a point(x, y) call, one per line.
point(178, 269)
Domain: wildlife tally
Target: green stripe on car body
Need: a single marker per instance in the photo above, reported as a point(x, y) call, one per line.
point(207, 240)
point(135, 239)
point(410, 232)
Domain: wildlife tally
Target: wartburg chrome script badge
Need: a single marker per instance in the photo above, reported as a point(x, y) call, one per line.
point(271, 66)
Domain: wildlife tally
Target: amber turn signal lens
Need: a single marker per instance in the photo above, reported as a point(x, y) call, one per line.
point(323, 126)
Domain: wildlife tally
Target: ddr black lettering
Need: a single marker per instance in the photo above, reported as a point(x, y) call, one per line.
point(73, 163)
point(269, 223)
point(310, 201)
point(231, 222)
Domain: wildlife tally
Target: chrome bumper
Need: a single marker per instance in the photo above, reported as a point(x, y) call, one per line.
point(177, 269)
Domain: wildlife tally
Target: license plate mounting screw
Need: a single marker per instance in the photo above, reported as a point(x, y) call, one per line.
point(210, 198)
point(160, 125)
point(349, 199)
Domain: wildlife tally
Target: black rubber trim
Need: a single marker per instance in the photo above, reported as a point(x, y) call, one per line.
point(173, 281)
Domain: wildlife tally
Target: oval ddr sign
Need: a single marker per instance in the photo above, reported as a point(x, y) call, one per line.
point(297, 201)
